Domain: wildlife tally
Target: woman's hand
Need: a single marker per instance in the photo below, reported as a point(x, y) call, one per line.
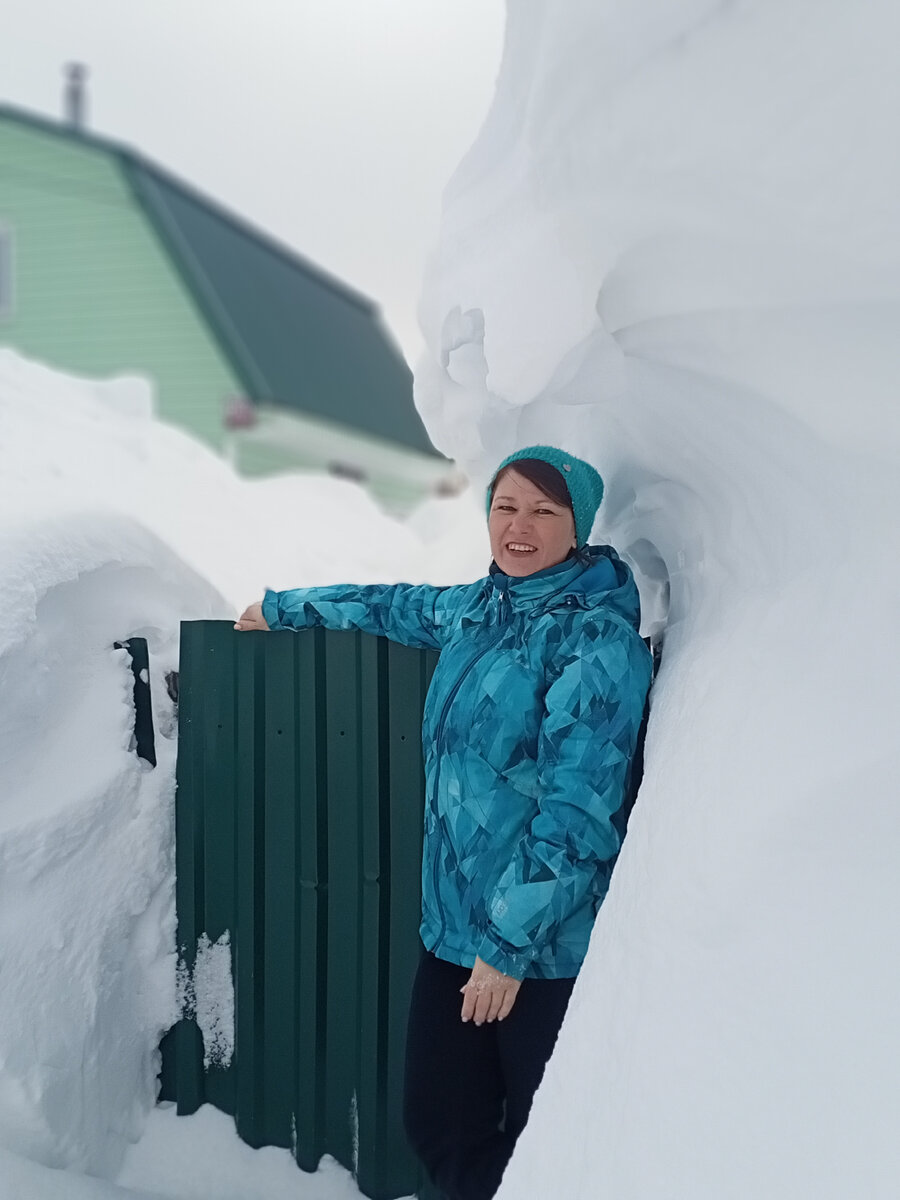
point(252, 618)
point(489, 995)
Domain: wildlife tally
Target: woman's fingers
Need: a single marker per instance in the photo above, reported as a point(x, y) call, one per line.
point(509, 999)
point(497, 997)
point(468, 1004)
point(488, 995)
point(483, 1005)
point(473, 996)
point(476, 998)
point(251, 618)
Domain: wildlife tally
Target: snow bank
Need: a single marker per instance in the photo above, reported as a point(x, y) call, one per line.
point(113, 525)
point(86, 856)
point(675, 248)
point(22, 1179)
point(201, 1158)
point(67, 443)
point(183, 1158)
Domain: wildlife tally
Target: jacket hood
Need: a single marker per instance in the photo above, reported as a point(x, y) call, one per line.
point(595, 577)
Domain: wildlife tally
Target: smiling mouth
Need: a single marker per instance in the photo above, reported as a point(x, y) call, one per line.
point(520, 548)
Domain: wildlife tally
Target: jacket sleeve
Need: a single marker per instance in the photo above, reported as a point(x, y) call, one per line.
point(414, 614)
point(592, 713)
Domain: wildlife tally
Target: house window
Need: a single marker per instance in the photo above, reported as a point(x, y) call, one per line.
point(6, 272)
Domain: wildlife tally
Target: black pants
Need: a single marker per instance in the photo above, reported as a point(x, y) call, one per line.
point(469, 1087)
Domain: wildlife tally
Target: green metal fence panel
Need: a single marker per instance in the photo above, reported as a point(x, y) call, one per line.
point(299, 834)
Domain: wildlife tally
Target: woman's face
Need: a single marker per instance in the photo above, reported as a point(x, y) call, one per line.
point(528, 530)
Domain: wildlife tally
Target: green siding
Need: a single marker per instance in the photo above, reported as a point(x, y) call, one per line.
point(95, 292)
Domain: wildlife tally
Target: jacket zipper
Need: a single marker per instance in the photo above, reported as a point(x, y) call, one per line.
point(439, 824)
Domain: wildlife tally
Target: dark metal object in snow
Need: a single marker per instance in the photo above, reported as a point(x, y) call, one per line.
point(145, 744)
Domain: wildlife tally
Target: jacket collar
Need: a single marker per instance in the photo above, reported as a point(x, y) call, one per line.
point(527, 591)
point(588, 578)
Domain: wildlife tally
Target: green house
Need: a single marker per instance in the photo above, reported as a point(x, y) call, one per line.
point(109, 264)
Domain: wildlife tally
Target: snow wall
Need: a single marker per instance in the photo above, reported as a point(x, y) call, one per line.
point(115, 525)
point(675, 248)
point(87, 923)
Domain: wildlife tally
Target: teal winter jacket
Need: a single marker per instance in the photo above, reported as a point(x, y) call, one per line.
point(529, 728)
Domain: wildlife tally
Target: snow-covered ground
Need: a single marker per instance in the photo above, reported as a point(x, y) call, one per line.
point(183, 1158)
point(675, 247)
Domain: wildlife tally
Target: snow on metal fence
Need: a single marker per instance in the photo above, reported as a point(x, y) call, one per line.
point(298, 842)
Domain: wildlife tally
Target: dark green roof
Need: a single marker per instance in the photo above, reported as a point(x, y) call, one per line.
point(295, 336)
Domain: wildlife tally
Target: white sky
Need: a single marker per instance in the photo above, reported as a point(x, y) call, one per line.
point(333, 124)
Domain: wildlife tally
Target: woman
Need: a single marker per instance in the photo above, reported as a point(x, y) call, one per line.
point(529, 728)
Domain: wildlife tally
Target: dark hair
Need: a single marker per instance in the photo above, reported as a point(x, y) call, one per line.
point(542, 476)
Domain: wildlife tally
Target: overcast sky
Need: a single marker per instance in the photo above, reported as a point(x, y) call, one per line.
point(333, 124)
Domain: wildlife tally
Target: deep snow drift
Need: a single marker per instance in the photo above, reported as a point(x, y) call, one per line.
point(114, 525)
point(675, 248)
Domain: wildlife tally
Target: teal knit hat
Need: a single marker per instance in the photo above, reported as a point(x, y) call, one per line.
point(584, 484)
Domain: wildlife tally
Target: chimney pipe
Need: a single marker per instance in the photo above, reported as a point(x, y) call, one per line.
point(76, 94)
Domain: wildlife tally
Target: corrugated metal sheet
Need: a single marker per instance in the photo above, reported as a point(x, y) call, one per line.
point(299, 827)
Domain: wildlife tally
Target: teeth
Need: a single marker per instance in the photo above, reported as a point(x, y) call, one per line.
point(519, 546)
